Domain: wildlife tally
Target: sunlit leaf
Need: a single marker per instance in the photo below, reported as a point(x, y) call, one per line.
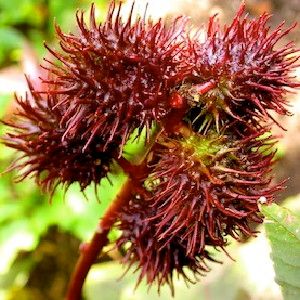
point(283, 230)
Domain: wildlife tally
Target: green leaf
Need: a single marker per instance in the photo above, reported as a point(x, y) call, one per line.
point(283, 230)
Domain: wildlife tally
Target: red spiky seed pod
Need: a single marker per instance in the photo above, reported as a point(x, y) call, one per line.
point(207, 187)
point(156, 259)
point(240, 73)
point(200, 189)
point(37, 132)
point(117, 76)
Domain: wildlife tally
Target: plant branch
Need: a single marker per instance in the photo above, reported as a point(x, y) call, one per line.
point(91, 251)
point(135, 171)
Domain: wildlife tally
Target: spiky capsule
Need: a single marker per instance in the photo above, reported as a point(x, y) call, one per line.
point(207, 187)
point(117, 76)
point(156, 259)
point(200, 190)
point(240, 73)
point(38, 131)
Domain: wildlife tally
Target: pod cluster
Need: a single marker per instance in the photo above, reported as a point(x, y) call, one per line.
point(212, 101)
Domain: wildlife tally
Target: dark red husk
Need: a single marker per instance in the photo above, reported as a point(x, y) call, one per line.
point(204, 199)
point(154, 258)
point(117, 76)
point(38, 132)
point(240, 73)
point(193, 202)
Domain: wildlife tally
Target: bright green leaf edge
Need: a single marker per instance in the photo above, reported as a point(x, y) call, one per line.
point(283, 231)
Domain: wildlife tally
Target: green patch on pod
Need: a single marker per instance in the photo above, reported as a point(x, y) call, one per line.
point(203, 148)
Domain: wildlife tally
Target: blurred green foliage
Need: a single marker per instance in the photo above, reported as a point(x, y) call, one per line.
point(33, 20)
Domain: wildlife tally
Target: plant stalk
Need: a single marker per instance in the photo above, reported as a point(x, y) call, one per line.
point(100, 239)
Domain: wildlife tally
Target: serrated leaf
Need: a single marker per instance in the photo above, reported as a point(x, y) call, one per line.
point(283, 230)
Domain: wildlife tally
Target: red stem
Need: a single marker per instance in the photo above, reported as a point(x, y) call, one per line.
point(90, 252)
point(99, 240)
